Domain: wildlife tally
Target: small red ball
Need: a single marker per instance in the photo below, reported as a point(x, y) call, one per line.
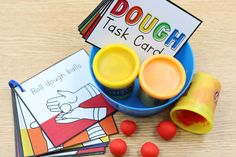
point(149, 149)
point(166, 129)
point(128, 127)
point(118, 147)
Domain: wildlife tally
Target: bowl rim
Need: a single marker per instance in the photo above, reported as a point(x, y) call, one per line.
point(170, 101)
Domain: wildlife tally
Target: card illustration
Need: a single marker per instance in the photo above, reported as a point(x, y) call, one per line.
point(35, 142)
point(68, 104)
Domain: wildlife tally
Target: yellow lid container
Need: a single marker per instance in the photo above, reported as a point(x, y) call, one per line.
point(116, 66)
point(162, 77)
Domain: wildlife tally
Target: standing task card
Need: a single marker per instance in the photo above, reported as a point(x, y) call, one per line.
point(64, 100)
point(149, 27)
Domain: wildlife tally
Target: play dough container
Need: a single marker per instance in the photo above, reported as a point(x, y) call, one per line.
point(195, 111)
point(116, 67)
point(161, 77)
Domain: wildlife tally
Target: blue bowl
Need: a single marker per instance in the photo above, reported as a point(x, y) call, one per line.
point(132, 105)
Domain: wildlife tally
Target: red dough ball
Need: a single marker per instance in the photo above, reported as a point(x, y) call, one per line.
point(118, 147)
point(166, 129)
point(149, 149)
point(128, 127)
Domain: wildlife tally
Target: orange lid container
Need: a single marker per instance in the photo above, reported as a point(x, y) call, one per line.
point(162, 77)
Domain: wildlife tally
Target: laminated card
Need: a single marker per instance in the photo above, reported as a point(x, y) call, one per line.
point(63, 99)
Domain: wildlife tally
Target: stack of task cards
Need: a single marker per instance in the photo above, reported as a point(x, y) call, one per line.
point(149, 27)
point(61, 112)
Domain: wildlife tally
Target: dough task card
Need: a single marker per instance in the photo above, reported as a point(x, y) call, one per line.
point(153, 27)
point(64, 99)
point(35, 142)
